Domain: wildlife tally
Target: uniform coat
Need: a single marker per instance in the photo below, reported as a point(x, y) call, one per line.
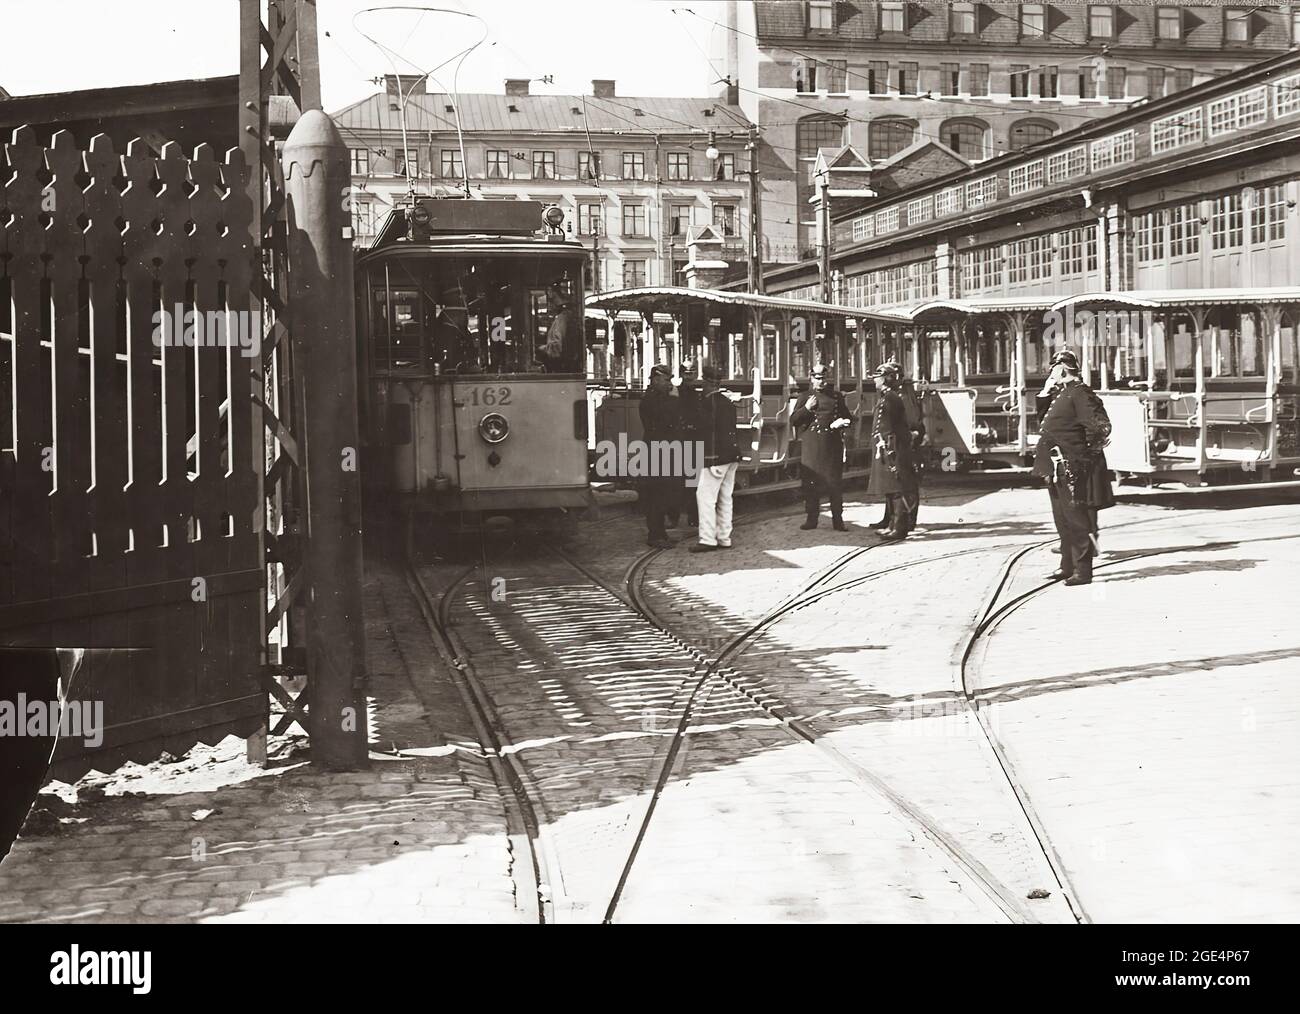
point(821, 454)
point(893, 468)
point(1074, 427)
point(660, 420)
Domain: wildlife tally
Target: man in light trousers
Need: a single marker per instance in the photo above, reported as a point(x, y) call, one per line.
point(717, 430)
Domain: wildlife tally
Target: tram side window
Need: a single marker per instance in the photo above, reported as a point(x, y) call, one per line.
point(1290, 336)
point(940, 365)
point(1185, 352)
point(1037, 356)
point(799, 364)
point(769, 341)
point(742, 366)
point(852, 350)
point(1241, 350)
point(716, 343)
point(990, 353)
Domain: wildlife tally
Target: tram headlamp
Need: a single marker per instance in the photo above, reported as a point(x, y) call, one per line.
point(494, 427)
point(420, 215)
point(553, 216)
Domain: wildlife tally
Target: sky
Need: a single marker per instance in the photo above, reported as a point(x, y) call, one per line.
point(643, 44)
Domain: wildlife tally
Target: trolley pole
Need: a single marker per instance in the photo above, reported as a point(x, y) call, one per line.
point(755, 216)
point(317, 179)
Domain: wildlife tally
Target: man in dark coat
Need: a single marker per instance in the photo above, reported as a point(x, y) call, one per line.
point(1073, 431)
point(893, 469)
point(717, 431)
point(660, 420)
point(916, 425)
point(821, 419)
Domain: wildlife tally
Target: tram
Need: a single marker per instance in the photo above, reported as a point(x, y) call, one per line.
point(1200, 384)
point(473, 396)
point(765, 347)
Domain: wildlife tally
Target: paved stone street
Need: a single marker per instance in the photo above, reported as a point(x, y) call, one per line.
point(831, 770)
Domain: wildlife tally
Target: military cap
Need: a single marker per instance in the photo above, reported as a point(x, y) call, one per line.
point(1067, 359)
point(890, 371)
point(710, 372)
point(660, 370)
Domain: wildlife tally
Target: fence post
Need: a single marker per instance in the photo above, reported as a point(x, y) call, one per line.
point(317, 177)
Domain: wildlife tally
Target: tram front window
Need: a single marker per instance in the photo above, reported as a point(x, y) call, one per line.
point(478, 315)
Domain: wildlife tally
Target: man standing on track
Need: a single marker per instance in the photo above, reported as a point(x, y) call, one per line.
point(717, 431)
point(660, 420)
point(822, 418)
point(688, 409)
point(1070, 456)
point(893, 473)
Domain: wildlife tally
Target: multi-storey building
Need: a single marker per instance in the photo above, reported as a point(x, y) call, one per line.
point(633, 174)
point(980, 79)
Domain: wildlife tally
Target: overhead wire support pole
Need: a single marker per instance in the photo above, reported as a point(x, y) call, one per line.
point(755, 216)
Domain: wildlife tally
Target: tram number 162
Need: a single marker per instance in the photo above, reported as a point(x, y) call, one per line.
point(490, 396)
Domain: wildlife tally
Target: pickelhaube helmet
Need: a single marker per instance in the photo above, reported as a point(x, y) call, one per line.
point(1067, 359)
point(891, 372)
point(820, 370)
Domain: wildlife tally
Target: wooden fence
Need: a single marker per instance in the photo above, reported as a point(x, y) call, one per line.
point(131, 511)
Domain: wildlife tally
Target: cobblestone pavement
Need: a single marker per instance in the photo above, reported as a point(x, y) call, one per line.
point(411, 840)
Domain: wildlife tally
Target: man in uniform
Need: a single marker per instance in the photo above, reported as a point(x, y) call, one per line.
point(660, 420)
point(688, 409)
point(1072, 434)
point(822, 418)
point(893, 473)
point(916, 425)
point(717, 431)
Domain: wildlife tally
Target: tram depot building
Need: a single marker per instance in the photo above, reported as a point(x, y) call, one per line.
point(1124, 238)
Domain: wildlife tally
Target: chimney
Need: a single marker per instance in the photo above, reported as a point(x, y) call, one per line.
point(602, 88)
point(411, 84)
point(516, 86)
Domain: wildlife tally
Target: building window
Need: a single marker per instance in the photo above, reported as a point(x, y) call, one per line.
point(1155, 82)
point(363, 218)
point(878, 77)
point(588, 165)
point(1268, 214)
point(633, 274)
point(1117, 82)
point(590, 220)
point(1033, 21)
point(1226, 222)
point(813, 135)
point(543, 165)
point(961, 19)
point(908, 76)
point(633, 165)
point(724, 219)
point(408, 160)
point(725, 167)
point(679, 165)
point(1175, 131)
point(981, 192)
point(1029, 176)
point(1236, 24)
point(1185, 229)
point(1286, 96)
point(1088, 75)
point(1019, 81)
point(838, 76)
point(893, 17)
point(805, 75)
point(1028, 133)
point(679, 219)
point(451, 165)
point(1101, 21)
point(979, 79)
point(950, 78)
point(1149, 232)
point(1295, 27)
point(1169, 23)
point(821, 16)
point(887, 137)
point(948, 202)
point(1047, 82)
point(360, 161)
point(634, 220)
point(498, 164)
point(1065, 164)
point(1114, 150)
point(967, 138)
point(1183, 79)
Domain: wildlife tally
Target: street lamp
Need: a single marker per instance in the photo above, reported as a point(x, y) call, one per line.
point(711, 152)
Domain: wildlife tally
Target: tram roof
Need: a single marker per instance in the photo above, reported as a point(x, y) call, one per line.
point(667, 298)
point(939, 308)
point(1163, 299)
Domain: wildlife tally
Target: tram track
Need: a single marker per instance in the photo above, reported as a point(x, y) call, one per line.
point(535, 860)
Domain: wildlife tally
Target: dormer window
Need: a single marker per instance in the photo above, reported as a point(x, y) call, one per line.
point(1236, 24)
point(1101, 21)
point(893, 17)
point(1033, 21)
point(961, 19)
point(821, 16)
point(1169, 24)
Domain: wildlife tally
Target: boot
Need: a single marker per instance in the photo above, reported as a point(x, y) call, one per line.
point(838, 524)
point(810, 524)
